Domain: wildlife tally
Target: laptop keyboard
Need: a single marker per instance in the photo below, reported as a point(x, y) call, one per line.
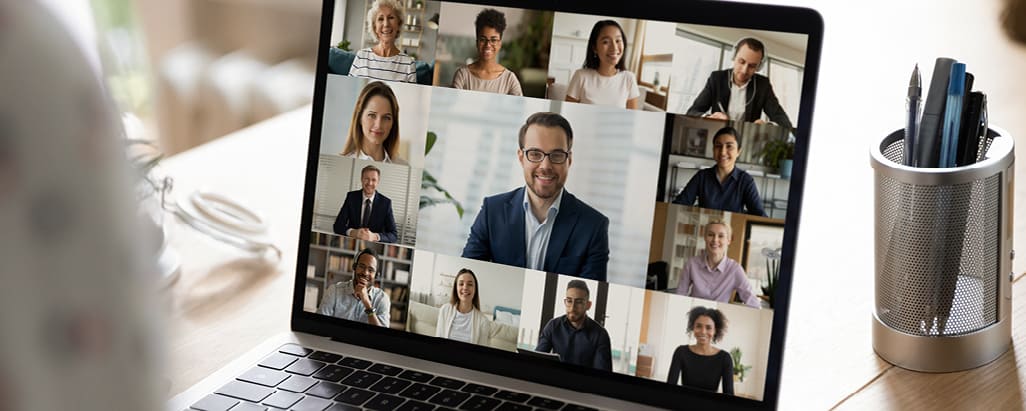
point(301, 379)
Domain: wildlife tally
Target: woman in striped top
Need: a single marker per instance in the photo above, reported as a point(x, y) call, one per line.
point(384, 61)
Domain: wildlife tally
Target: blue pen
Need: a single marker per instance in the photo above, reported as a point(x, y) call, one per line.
point(952, 115)
point(915, 90)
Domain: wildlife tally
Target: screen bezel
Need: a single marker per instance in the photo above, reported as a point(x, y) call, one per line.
point(650, 392)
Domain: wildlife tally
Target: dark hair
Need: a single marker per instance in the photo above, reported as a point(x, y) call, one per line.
point(591, 60)
point(355, 139)
point(580, 285)
point(548, 119)
point(719, 321)
point(1013, 18)
point(370, 167)
point(754, 44)
point(454, 300)
point(490, 18)
point(367, 251)
point(730, 131)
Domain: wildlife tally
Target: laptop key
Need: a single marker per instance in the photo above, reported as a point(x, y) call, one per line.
point(479, 389)
point(390, 385)
point(546, 403)
point(512, 396)
point(311, 404)
point(283, 399)
point(355, 363)
point(512, 406)
point(384, 402)
point(305, 367)
point(449, 398)
point(297, 383)
point(278, 361)
point(416, 376)
point(245, 391)
point(362, 379)
point(325, 356)
point(325, 390)
point(420, 392)
point(575, 407)
point(412, 405)
point(333, 373)
point(447, 383)
point(263, 376)
point(385, 369)
point(214, 402)
point(248, 406)
point(354, 396)
point(480, 403)
point(296, 350)
point(342, 407)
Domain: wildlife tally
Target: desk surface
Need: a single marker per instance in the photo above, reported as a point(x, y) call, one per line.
point(226, 301)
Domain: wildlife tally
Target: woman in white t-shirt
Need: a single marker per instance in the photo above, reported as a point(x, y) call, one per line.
point(604, 80)
point(461, 319)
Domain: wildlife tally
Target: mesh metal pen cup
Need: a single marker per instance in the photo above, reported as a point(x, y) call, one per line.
point(943, 258)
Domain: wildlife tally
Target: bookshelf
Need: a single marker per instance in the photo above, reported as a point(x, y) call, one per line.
point(331, 259)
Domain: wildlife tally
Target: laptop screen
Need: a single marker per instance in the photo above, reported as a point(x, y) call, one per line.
point(582, 191)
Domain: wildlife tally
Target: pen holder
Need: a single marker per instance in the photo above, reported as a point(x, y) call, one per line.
point(943, 258)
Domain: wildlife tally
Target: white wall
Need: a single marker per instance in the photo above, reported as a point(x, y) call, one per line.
point(530, 315)
point(340, 100)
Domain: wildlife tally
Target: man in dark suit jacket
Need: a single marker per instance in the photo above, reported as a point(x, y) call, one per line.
point(758, 93)
point(542, 226)
point(353, 219)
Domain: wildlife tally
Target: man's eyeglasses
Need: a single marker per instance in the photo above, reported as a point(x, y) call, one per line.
point(364, 267)
point(494, 41)
point(574, 301)
point(535, 155)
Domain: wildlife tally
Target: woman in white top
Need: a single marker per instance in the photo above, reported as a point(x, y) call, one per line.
point(374, 128)
point(486, 74)
point(604, 80)
point(384, 61)
point(461, 319)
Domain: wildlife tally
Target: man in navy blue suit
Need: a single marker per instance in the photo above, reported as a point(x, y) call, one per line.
point(541, 226)
point(367, 214)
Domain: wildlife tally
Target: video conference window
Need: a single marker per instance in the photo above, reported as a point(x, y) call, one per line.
point(490, 176)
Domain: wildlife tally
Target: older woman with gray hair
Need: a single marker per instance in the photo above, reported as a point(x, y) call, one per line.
point(384, 61)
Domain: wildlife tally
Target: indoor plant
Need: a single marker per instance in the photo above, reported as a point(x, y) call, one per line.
point(778, 155)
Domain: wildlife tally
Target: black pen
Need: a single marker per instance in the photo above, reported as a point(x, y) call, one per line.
point(912, 124)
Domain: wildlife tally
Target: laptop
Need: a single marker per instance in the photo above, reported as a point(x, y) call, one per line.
point(543, 205)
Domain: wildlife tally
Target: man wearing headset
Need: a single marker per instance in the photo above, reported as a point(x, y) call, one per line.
point(358, 299)
point(738, 93)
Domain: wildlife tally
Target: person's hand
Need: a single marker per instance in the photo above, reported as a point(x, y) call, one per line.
point(364, 234)
point(719, 115)
point(760, 121)
point(360, 287)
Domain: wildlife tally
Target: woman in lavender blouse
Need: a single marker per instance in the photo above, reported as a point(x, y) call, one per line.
point(712, 275)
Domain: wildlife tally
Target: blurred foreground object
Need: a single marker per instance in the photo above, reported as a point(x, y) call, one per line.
point(1015, 20)
point(77, 307)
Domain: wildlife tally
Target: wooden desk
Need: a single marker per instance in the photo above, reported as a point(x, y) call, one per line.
point(224, 304)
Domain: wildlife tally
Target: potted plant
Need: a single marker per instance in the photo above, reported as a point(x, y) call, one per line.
point(428, 182)
point(778, 154)
point(739, 369)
